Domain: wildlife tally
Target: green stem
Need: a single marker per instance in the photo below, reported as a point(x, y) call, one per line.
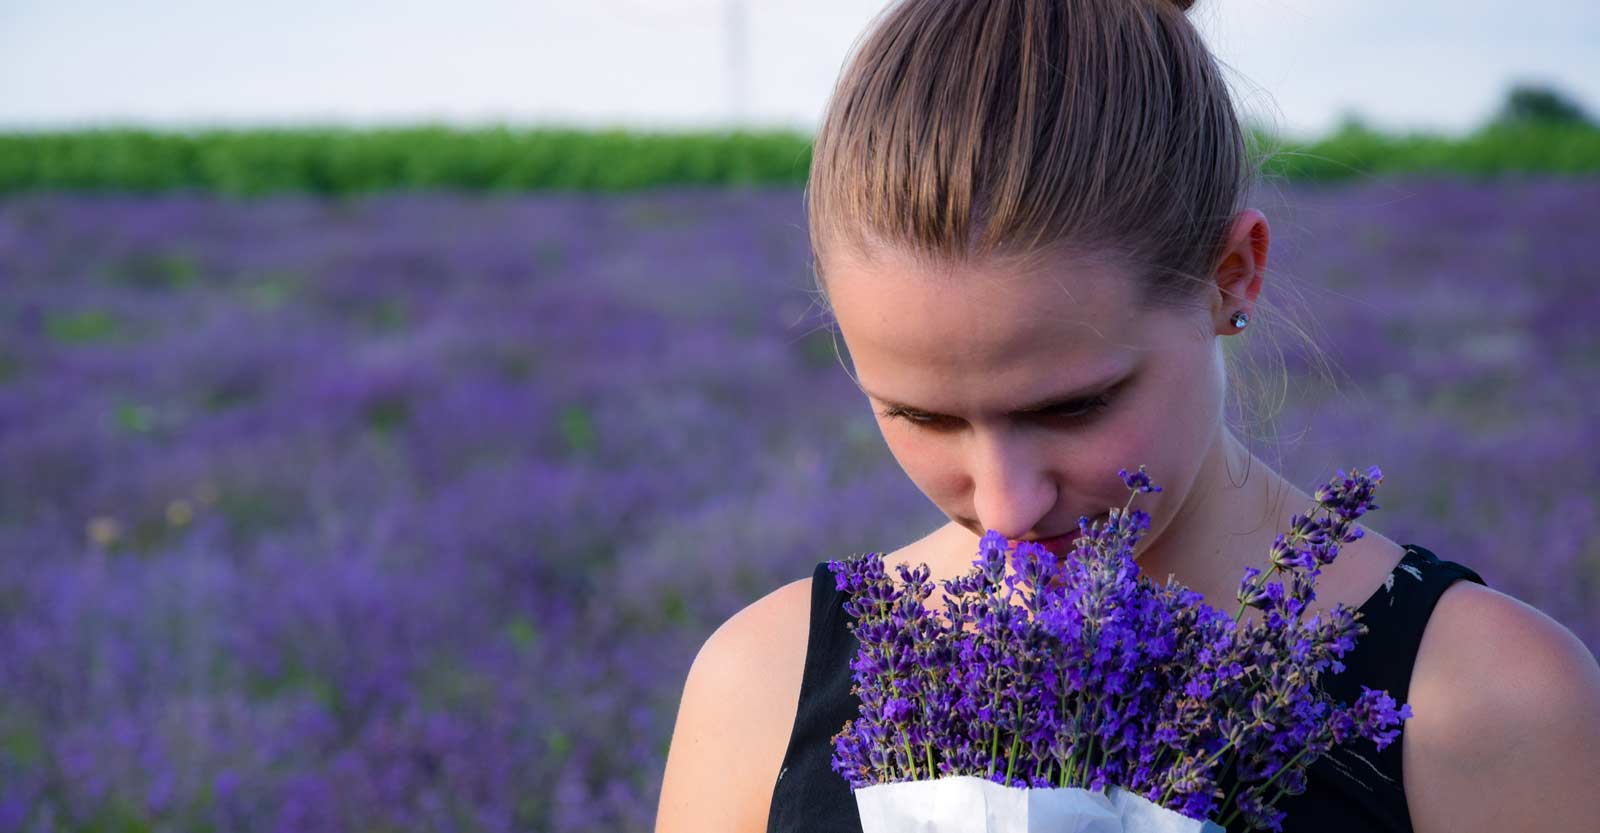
point(1267, 783)
point(1016, 740)
point(1228, 801)
point(994, 746)
point(905, 739)
point(1286, 767)
point(1260, 581)
point(1159, 765)
point(1088, 759)
point(1203, 766)
point(1213, 759)
point(1061, 708)
point(1276, 796)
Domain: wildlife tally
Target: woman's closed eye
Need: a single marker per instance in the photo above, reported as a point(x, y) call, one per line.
point(1078, 412)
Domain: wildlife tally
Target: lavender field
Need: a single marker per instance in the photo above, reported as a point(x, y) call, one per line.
point(409, 512)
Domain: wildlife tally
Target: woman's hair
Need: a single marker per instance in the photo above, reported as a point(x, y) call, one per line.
point(1012, 132)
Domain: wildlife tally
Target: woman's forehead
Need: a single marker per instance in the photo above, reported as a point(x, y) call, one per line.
point(982, 314)
point(912, 333)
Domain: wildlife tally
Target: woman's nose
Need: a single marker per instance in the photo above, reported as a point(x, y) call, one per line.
point(1012, 487)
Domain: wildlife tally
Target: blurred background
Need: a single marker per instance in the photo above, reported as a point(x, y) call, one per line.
point(394, 396)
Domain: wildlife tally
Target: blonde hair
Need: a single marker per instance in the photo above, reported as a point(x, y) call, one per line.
point(1013, 132)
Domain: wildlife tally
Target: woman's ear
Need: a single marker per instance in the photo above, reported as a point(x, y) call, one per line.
point(1241, 268)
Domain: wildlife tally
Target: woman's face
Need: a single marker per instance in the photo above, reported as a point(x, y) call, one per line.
point(960, 365)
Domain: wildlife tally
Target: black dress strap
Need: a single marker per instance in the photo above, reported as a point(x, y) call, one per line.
point(1355, 787)
point(1396, 615)
point(808, 794)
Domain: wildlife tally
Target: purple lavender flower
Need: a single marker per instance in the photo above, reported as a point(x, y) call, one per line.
point(1080, 671)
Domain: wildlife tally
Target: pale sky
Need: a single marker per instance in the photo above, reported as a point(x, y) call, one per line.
point(1441, 65)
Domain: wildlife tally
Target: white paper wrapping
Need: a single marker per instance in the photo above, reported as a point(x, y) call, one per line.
point(969, 804)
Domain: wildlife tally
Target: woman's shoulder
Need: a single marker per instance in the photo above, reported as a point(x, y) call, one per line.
point(1506, 705)
point(768, 638)
point(758, 658)
point(738, 706)
point(766, 642)
point(1499, 645)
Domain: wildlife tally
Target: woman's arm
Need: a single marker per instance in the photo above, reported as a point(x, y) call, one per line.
point(1507, 728)
point(734, 720)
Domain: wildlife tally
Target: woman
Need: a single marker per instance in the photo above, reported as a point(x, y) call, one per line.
point(1027, 220)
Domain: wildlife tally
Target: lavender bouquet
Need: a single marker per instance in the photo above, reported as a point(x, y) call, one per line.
point(1083, 696)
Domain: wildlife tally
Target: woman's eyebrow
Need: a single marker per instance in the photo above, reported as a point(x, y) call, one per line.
point(1071, 397)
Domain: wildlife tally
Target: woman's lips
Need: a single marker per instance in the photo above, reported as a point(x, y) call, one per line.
point(1063, 544)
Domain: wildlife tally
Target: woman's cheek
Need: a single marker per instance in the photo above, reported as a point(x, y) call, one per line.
point(929, 463)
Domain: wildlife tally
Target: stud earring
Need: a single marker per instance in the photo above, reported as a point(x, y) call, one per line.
point(1240, 319)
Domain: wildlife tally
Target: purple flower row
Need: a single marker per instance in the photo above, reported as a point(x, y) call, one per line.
point(411, 510)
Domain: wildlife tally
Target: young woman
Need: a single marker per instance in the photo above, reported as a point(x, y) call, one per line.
point(1027, 218)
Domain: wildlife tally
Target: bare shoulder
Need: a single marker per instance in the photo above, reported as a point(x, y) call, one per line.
point(1506, 726)
point(738, 708)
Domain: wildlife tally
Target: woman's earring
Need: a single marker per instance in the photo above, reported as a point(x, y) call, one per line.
point(1240, 319)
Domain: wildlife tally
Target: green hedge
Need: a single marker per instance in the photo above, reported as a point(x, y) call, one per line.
point(1498, 148)
point(340, 161)
point(346, 161)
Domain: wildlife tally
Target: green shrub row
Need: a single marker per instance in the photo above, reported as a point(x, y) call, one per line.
point(347, 161)
point(342, 161)
point(1498, 148)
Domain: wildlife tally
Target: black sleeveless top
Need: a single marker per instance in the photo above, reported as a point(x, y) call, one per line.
point(1350, 788)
